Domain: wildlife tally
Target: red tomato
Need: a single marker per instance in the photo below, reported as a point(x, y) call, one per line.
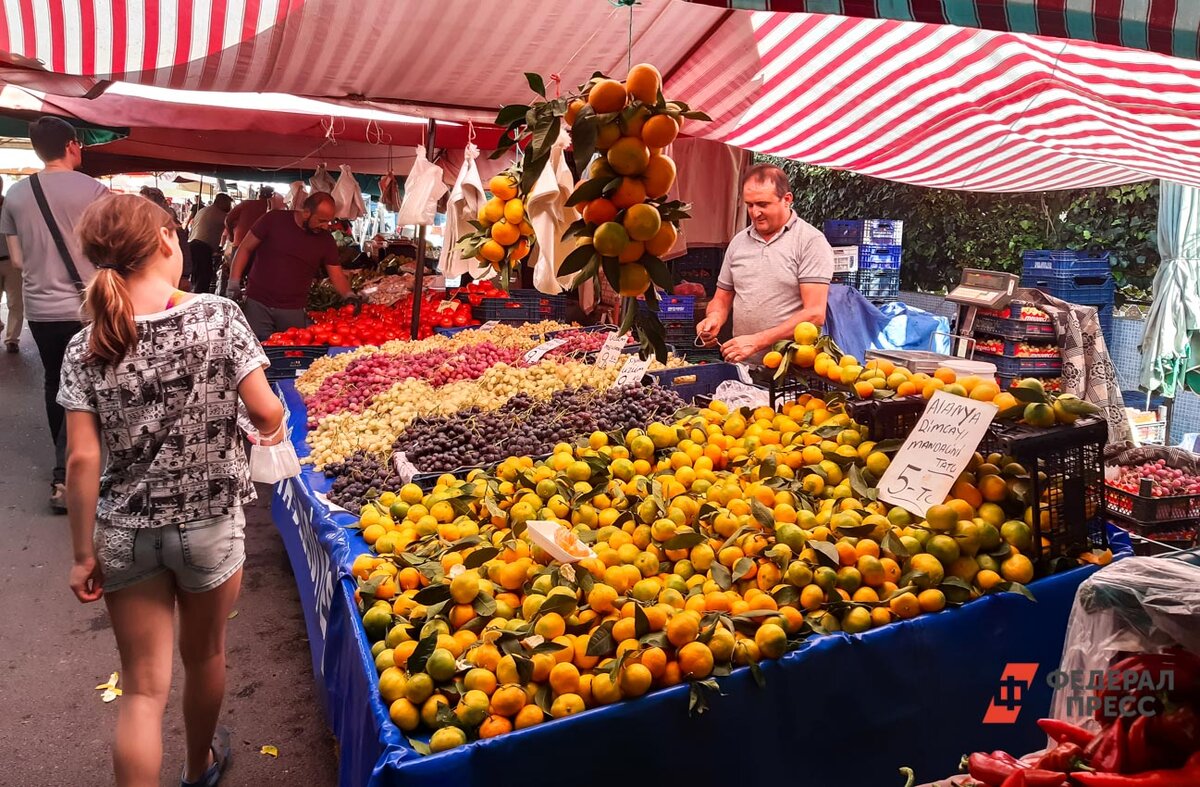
point(461, 319)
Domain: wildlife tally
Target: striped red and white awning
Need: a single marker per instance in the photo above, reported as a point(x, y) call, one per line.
point(933, 105)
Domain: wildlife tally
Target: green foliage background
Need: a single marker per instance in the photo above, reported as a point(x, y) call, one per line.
point(945, 231)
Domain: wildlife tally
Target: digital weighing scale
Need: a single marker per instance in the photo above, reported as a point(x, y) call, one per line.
point(978, 289)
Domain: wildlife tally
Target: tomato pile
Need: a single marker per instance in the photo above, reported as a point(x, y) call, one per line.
point(375, 324)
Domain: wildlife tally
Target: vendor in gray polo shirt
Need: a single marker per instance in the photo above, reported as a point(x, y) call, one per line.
point(775, 275)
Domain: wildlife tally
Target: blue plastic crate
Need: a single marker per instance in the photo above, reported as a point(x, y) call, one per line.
point(455, 330)
point(882, 232)
point(878, 285)
point(673, 307)
point(1040, 261)
point(692, 381)
point(879, 258)
point(843, 232)
point(1091, 289)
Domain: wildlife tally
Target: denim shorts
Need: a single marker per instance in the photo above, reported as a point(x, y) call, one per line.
point(201, 555)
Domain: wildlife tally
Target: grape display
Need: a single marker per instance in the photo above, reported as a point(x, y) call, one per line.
point(527, 426)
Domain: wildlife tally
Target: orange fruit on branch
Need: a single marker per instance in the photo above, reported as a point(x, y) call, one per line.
point(607, 95)
point(629, 193)
point(610, 239)
point(628, 156)
point(599, 211)
point(644, 83)
point(505, 233)
point(663, 240)
point(660, 131)
point(633, 252)
point(642, 221)
point(503, 186)
point(634, 281)
point(659, 175)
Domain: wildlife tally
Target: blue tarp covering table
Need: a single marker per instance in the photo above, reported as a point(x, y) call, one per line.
point(840, 710)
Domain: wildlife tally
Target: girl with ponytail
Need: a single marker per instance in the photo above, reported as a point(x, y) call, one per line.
point(153, 385)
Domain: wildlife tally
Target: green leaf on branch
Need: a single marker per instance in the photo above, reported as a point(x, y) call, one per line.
point(577, 260)
point(587, 191)
point(536, 83)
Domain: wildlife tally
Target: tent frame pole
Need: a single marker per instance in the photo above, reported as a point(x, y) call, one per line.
point(419, 273)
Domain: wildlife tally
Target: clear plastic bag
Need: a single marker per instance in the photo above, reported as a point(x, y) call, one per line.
point(1136, 605)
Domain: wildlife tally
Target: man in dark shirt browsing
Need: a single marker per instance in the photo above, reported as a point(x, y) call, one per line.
point(289, 247)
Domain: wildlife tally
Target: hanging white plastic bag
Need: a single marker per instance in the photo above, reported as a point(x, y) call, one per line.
point(461, 209)
point(321, 180)
point(270, 464)
point(422, 189)
point(296, 195)
point(347, 196)
point(547, 211)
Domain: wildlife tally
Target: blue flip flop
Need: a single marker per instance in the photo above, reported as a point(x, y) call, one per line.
point(222, 754)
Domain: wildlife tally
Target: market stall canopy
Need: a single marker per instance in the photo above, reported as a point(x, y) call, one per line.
point(929, 104)
point(163, 128)
point(1165, 26)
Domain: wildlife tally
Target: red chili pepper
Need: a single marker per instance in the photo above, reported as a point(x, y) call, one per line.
point(1187, 776)
point(1042, 777)
point(992, 769)
point(1017, 779)
point(1108, 751)
point(1063, 757)
point(1065, 732)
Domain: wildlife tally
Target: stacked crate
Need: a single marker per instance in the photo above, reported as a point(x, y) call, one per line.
point(1082, 277)
point(877, 241)
point(1020, 340)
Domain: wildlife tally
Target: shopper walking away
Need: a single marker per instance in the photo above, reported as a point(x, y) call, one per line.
point(208, 225)
point(10, 290)
point(775, 275)
point(153, 383)
point(289, 249)
point(158, 198)
point(241, 219)
point(39, 218)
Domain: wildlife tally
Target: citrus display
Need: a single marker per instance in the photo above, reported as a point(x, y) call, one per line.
point(703, 552)
point(502, 236)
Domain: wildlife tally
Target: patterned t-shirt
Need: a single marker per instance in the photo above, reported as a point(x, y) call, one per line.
point(168, 414)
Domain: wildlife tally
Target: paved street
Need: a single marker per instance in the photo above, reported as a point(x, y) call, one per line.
point(54, 729)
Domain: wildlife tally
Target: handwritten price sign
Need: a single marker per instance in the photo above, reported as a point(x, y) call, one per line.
point(632, 372)
point(539, 352)
point(610, 352)
point(936, 453)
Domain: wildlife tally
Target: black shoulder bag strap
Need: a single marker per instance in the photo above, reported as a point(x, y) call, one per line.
point(55, 233)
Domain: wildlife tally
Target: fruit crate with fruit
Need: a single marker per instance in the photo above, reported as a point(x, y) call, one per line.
point(523, 306)
point(1063, 486)
point(1018, 330)
point(1017, 310)
point(1049, 384)
point(701, 266)
point(1025, 367)
point(1140, 505)
point(883, 418)
point(1011, 348)
point(287, 362)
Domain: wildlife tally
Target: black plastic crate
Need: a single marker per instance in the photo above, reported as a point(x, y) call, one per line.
point(287, 361)
point(1052, 383)
point(1009, 348)
point(1165, 539)
point(701, 266)
point(1145, 509)
point(1019, 330)
point(888, 418)
point(843, 232)
point(1022, 367)
point(523, 306)
point(1065, 499)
